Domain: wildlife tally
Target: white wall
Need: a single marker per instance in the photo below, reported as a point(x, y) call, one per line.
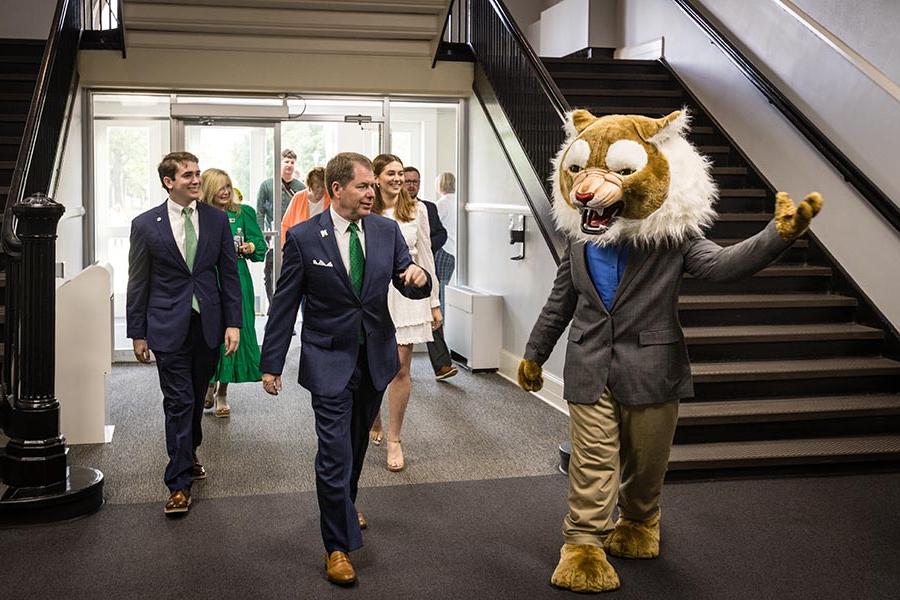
point(851, 230)
point(524, 284)
point(858, 116)
point(70, 236)
point(26, 19)
point(869, 27)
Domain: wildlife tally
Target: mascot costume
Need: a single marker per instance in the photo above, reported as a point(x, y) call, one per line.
point(633, 197)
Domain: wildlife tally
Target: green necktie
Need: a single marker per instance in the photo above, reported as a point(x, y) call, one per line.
point(357, 260)
point(190, 246)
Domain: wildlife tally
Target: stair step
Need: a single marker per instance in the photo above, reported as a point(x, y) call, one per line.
point(21, 58)
point(799, 243)
point(16, 96)
point(772, 370)
point(18, 76)
point(593, 76)
point(615, 62)
point(622, 92)
point(768, 301)
point(787, 409)
point(787, 271)
point(778, 453)
point(780, 333)
point(728, 171)
point(714, 149)
point(647, 111)
point(12, 118)
point(743, 192)
point(7, 164)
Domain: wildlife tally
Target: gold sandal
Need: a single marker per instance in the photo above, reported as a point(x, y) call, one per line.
point(222, 408)
point(394, 466)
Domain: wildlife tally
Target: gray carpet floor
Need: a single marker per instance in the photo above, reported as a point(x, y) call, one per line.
point(804, 538)
point(472, 426)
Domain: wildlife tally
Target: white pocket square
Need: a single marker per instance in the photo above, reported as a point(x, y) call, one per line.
point(322, 263)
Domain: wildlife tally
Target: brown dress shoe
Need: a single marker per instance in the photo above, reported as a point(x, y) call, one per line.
point(446, 372)
point(179, 502)
point(338, 568)
point(363, 524)
point(198, 472)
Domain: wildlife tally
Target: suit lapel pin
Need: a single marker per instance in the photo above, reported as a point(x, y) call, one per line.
point(324, 233)
point(158, 219)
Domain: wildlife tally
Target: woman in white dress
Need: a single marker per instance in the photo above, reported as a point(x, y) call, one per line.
point(413, 319)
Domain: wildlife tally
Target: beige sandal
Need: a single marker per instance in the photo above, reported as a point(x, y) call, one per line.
point(222, 408)
point(393, 464)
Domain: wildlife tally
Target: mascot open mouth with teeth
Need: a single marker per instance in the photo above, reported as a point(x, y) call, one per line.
point(633, 197)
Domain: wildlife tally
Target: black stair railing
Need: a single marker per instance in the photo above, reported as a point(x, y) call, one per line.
point(37, 158)
point(104, 25)
point(522, 102)
point(41, 485)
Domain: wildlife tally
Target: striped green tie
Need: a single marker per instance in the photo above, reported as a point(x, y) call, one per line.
point(357, 260)
point(190, 246)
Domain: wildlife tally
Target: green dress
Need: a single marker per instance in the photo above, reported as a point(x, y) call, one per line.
point(243, 365)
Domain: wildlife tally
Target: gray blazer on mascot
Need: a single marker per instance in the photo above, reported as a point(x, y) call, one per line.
point(633, 197)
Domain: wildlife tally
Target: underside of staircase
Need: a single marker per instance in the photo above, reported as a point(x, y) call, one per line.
point(20, 61)
point(793, 369)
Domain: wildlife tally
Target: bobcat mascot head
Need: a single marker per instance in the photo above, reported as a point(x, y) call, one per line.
point(628, 177)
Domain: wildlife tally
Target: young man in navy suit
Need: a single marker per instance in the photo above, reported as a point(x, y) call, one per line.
point(341, 262)
point(184, 299)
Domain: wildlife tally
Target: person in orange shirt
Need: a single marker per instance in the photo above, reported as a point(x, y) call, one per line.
point(306, 203)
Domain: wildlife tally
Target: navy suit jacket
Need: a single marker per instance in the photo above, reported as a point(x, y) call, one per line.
point(333, 315)
point(438, 231)
point(160, 285)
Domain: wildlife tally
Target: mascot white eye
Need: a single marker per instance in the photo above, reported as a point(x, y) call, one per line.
point(577, 156)
point(626, 157)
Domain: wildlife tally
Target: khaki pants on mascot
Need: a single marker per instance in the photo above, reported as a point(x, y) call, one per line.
point(633, 197)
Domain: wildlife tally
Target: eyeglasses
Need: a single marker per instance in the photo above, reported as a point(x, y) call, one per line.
point(415, 181)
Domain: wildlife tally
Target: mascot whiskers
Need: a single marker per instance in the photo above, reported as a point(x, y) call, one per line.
point(633, 197)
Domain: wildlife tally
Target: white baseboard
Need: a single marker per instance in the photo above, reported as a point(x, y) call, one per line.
point(551, 394)
point(647, 51)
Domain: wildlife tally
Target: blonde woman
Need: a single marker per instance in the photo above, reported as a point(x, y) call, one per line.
point(414, 319)
point(243, 365)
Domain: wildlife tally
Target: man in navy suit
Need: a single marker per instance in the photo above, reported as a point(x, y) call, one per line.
point(184, 299)
point(340, 263)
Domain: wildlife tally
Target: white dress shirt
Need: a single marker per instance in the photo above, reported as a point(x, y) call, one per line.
point(342, 237)
point(176, 220)
point(446, 206)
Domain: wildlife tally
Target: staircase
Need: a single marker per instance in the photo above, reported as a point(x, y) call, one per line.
point(792, 368)
point(20, 61)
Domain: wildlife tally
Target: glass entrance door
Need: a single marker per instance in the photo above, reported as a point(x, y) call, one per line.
point(246, 152)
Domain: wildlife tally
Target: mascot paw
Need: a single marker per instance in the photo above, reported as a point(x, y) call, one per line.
point(790, 221)
point(531, 377)
point(634, 539)
point(584, 568)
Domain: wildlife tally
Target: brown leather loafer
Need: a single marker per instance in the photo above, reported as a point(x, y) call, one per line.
point(363, 524)
point(446, 372)
point(338, 568)
point(179, 502)
point(198, 472)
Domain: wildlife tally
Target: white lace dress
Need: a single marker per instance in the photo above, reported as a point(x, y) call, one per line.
point(412, 318)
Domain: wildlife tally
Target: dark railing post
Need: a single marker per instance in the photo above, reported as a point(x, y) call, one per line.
point(35, 454)
point(41, 486)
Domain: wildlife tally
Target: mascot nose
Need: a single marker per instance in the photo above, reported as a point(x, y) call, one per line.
point(584, 196)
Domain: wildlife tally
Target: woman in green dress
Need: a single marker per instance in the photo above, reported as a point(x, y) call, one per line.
point(249, 244)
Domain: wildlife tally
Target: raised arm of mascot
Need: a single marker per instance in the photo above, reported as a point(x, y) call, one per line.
point(633, 197)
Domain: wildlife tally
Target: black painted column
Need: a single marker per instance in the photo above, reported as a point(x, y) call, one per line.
point(36, 453)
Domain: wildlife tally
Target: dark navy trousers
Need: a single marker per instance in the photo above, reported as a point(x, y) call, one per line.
point(184, 377)
point(342, 427)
